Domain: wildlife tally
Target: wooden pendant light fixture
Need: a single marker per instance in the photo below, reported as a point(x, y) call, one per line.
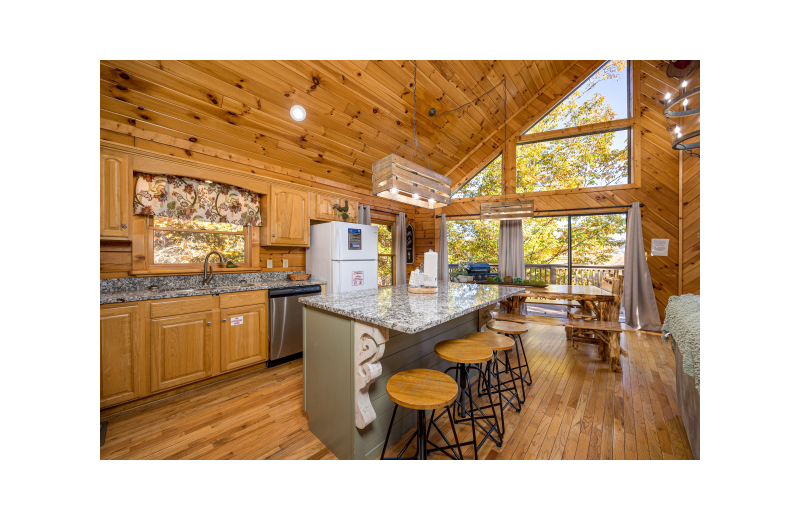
point(396, 178)
point(506, 210)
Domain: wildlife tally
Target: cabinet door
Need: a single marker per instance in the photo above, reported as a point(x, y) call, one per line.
point(120, 355)
point(180, 349)
point(289, 220)
point(323, 206)
point(243, 337)
point(116, 203)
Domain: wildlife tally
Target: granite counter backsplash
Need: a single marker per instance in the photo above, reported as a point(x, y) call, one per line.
point(395, 308)
point(119, 290)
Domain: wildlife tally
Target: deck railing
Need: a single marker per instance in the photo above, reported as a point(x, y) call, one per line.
point(556, 274)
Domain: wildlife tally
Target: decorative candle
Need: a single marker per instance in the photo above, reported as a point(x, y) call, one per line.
point(431, 267)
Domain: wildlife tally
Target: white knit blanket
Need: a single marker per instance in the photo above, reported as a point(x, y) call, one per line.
point(683, 321)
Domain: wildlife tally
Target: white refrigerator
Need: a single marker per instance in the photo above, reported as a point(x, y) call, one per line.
point(345, 255)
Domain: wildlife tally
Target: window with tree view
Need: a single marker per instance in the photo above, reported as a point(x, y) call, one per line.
point(181, 241)
point(488, 181)
point(579, 155)
point(597, 246)
point(385, 253)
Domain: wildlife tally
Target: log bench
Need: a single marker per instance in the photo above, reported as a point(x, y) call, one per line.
point(606, 331)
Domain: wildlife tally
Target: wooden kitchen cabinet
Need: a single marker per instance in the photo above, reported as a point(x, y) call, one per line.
point(322, 207)
point(243, 338)
point(120, 354)
point(289, 223)
point(180, 349)
point(116, 197)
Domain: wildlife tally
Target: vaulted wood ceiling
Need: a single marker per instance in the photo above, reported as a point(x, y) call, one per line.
point(357, 111)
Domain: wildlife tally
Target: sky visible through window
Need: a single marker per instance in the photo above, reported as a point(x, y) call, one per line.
point(615, 91)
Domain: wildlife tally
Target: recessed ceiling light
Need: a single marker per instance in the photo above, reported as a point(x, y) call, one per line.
point(297, 112)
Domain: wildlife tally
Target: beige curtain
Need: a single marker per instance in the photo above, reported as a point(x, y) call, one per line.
point(400, 250)
point(511, 260)
point(444, 264)
point(191, 199)
point(638, 298)
point(364, 215)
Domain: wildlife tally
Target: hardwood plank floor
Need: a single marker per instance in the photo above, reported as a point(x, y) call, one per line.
point(576, 408)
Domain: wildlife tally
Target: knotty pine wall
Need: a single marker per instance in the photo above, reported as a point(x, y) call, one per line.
point(691, 207)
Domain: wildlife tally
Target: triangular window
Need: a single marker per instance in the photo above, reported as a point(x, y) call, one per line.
point(563, 152)
point(488, 181)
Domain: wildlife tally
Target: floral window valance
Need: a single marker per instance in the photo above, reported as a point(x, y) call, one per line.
point(183, 197)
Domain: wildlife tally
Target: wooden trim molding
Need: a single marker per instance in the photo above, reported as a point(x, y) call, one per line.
point(577, 131)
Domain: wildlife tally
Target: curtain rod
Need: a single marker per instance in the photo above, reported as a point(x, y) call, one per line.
point(550, 210)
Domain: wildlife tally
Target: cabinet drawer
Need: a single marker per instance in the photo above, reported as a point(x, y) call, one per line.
point(229, 300)
point(174, 307)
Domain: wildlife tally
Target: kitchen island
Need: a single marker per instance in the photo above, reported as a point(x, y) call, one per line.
point(355, 339)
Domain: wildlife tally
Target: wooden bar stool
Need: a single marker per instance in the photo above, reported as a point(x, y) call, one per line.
point(421, 389)
point(498, 343)
point(468, 355)
point(515, 331)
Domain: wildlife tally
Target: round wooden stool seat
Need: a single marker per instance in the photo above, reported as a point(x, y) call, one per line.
point(422, 389)
point(492, 340)
point(507, 327)
point(463, 351)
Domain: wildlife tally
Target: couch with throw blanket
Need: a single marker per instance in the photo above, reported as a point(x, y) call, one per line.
point(682, 325)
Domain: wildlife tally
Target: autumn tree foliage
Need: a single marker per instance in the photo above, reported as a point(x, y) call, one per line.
point(576, 162)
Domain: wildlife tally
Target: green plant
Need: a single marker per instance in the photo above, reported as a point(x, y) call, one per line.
point(535, 283)
point(517, 280)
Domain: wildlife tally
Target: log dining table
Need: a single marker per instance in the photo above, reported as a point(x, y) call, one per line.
point(588, 296)
point(599, 324)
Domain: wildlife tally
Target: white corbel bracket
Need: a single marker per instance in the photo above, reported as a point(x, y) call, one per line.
point(370, 341)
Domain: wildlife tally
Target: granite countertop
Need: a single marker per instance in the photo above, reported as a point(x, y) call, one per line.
point(395, 308)
point(135, 291)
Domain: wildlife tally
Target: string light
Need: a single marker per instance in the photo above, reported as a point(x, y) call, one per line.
point(679, 134)
point(666, 96)
point(677, 128)
point(684, 83)
point(414, 195)
point(685, 101)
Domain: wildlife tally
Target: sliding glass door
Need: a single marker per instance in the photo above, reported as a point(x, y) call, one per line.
point(563, 250)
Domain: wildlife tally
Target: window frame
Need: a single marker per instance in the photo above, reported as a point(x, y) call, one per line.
point(251, 263)
point(380, 222)
point(628, 123)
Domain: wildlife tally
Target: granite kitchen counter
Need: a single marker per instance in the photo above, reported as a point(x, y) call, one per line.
point(131, 290)
point(395, 308)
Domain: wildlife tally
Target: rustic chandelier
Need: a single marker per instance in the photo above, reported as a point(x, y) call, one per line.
point(396, 178)
point(684, 142)
point(504, 210)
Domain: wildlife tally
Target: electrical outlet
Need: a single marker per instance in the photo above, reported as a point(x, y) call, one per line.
point(285, 262)
point(269, 264)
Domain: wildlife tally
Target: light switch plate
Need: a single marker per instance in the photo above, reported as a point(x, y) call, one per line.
point(285, 262)
point(269, 264)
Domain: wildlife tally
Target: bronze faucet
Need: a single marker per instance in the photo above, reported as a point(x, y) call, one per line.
point(208, 271)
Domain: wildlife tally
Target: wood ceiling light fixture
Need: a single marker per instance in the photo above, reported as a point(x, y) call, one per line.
point(507, 210)
point(396, 178)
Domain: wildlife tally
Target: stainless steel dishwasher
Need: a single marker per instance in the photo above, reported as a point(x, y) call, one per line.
point(286, 321)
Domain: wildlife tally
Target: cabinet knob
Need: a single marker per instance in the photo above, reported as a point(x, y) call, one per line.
point(124, 226)
point(208, 323)
point(224, 320)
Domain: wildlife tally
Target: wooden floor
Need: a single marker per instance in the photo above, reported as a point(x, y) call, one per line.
point(576, 409)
